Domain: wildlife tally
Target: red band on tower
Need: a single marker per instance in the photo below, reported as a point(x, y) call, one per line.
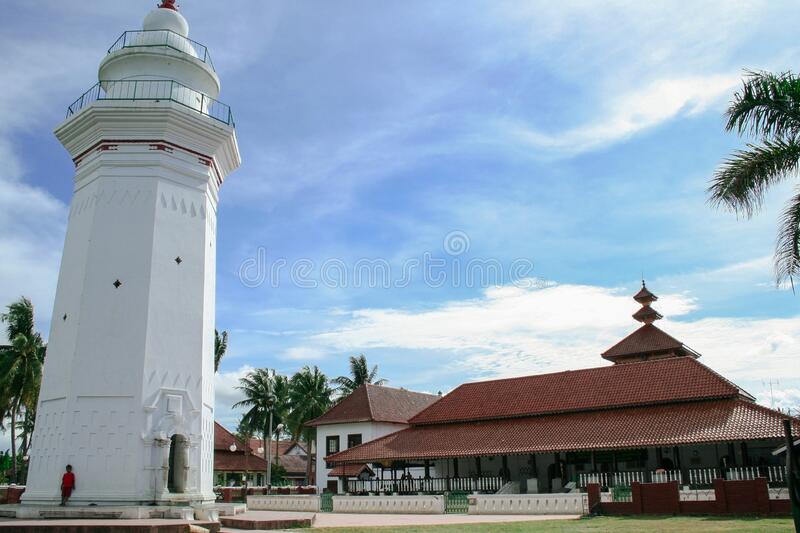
point(168, 4)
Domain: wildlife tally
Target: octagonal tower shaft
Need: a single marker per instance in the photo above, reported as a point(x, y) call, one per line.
point(128, 393)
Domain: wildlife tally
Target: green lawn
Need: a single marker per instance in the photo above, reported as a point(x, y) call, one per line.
point(603, 524)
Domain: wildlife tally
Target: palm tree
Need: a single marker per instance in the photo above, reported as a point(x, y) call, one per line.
point(220, 347)
point(310, 397)
point(20, 367)
point(282, 409)
point(259, 397)
point(767, 106)
point(25, 428)
point(361, 374)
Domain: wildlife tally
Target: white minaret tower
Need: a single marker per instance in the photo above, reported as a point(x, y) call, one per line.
point(128, 390)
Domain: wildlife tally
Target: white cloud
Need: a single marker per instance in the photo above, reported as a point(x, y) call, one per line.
point(32, 221)
point(787, 400)
point(304, 353)
point(226, 394)
point(511, 331)
point(630, 113)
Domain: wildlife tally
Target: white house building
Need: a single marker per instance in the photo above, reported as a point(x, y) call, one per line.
point(370, 412)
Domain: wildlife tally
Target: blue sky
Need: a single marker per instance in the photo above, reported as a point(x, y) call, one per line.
point(574, 137)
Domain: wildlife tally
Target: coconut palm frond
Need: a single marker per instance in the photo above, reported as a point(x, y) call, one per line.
point(220, 347)
point(767, 105)
point(743, 179)
point(787, 249)
point(360, 373)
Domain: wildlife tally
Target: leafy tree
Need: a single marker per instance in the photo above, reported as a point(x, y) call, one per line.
point(310, 397)
point(20, 368)
point(5, 466)
point(245, 432)
point(768, 107)
point(220, 347)
point(278, 475)
point(360, 374)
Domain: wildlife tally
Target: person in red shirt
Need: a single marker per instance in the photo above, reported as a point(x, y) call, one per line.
point(67, 485)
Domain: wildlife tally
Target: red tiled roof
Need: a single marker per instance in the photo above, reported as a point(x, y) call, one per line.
point(666, 380)
point(644, 295)
point(294, 464)
point(633, 427)
point(647, 339)
point(646, 313)
point(350, 470)
point(377, 404)
point(227, 461)
point(224, 438)
point(278, 447)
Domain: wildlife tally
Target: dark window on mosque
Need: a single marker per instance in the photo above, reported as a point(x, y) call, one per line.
point(353, 440)
point(332, 444)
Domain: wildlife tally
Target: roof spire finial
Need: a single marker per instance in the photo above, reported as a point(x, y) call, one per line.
point(168, 4)
point(646, 314)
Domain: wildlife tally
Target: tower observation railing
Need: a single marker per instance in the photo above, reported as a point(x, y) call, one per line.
point(156, 91)
point(167, 38)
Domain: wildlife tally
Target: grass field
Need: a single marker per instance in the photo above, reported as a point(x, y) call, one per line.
point(603, 525)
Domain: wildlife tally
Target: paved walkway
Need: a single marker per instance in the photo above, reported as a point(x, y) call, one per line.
point(375, 520)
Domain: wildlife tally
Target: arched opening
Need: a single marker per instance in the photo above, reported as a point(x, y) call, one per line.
point(178, 464)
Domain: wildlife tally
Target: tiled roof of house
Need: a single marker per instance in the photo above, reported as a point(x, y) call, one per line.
point(294, 464)
point(632, 427)
point(376, 403)
point(667, 380)
point(224, 438)
point(278, 447)
point(349, 470)
point(647, 339)
point(227, 461)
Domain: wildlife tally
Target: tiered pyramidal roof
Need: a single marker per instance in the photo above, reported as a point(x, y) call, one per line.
point(648, 342)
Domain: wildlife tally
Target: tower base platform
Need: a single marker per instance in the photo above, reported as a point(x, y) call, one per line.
point(107, 518)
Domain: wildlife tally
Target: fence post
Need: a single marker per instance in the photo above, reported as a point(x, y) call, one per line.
point(636, 497)
point(593, 492)
point(762, 495)
point(720, 496)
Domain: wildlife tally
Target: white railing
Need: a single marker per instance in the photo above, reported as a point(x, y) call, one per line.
point(666, 476)
point(626, 478)
point(703, 476)
point(426, 485)
point(600, 478)
point(742, 473)
point(776, 474)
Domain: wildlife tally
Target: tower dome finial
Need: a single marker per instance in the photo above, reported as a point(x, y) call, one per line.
point(168, 4)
